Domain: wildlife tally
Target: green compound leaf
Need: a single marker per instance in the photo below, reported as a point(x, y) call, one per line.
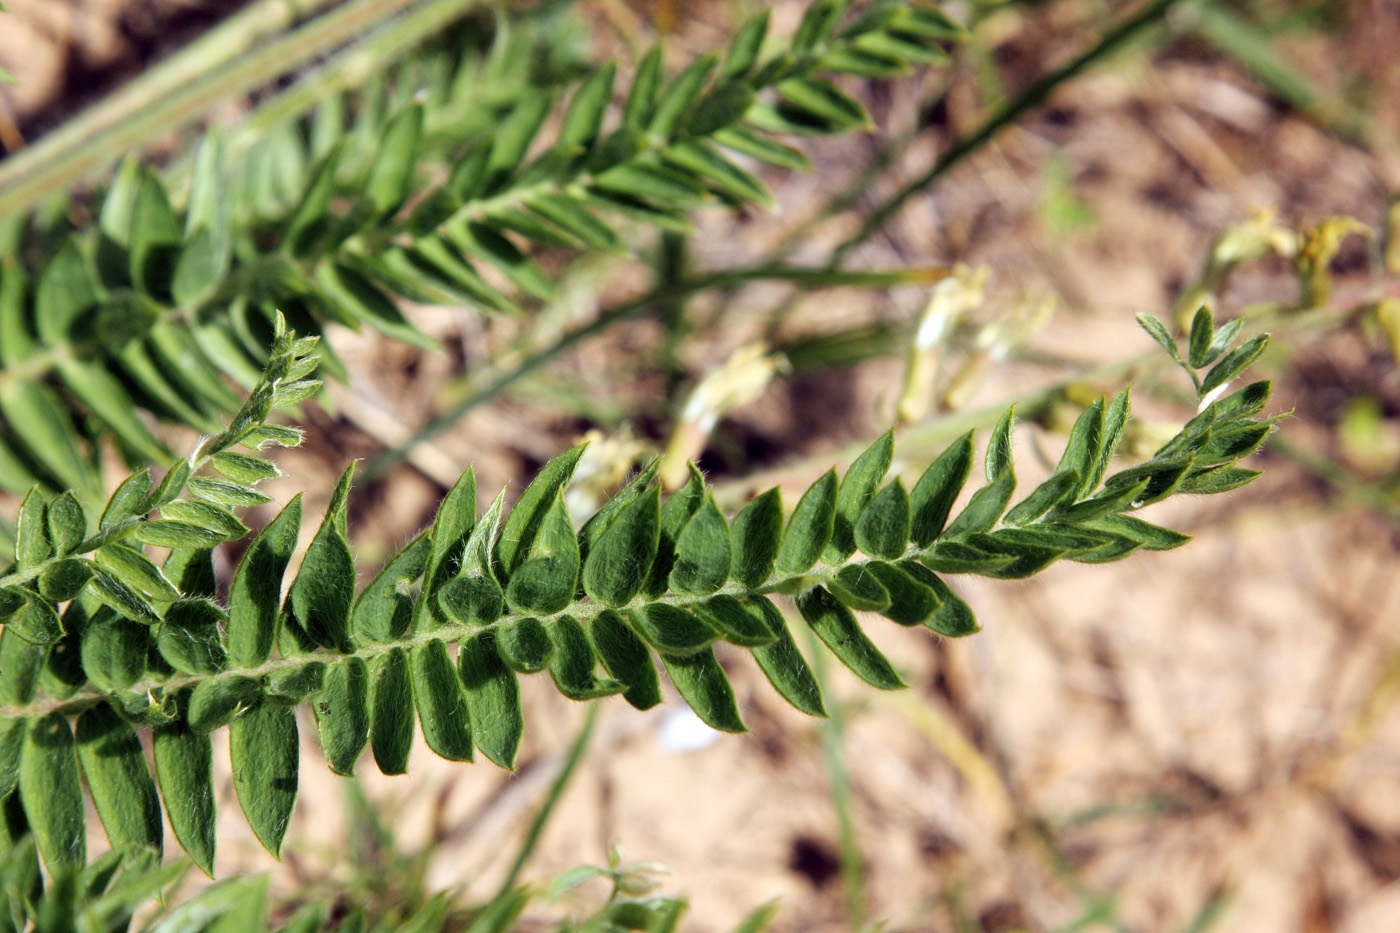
point(442, 701)
point(809, 529)
point(391, 711)
point(264, 750)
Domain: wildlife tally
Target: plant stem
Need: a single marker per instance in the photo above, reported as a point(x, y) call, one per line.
point(551, 800)
point(528, 363)
point(1008, 113)
point(832, 732)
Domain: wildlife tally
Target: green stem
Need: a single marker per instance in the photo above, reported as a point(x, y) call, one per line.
point(495, 384)
point(1008, 113)
point(551, 800)
point(832, 731)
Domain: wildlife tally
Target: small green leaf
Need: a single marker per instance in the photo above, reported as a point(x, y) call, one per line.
point(155, 238)
point(1048, 495)
point(960, 557)
point(384, 609)
point(576, 221)
point(1158, 332)
point(64, 291)
point(12, 732)
point(391, 711)
point(52, 794)
point(835, 626)
point(493, 696)
point(984, 508)
point(342, 714)
point(192, 572)
point(1244, 402)
point(1152, 537)
point(216, 702)
point(391, 174)
point(242, 468)
point(1224, 337)
point(36, 620)
point(174, 534)
point(1217, 479)
point(754, 540)
point(528, 516)
point(626, 658)
point(671, 630)
point(824, 104)
point(33, 545)
point(857, 588)
point(112, 592)
point(937, 490)
point(292, 685)
point(525, 645)
point(1234, 362)
point(1163, 478)
point(205, 515)
point(572, 668)
point(883, 528)
point(360, 300)
point(67, 523)
point(999, 452)
point(744, 48)
point(1084, 449)
point(257, 588)
point(701, 159)
point(122, 789)
point(548, 580)
point(185, 771)
point(645, 85)
point(759, 146)
point(36, 414)
point(740, 624)
point(227, 495)
point(264, 751)
point(702, 683)
point(809, 530)
point(442, 701)
point(1202, 335)
point(513, 136)
point(320, 597)
point(584, 118)
point(857, 489)
point(680, 96)
point(106, 398)
point(21, 662)
point(64, 580)
point(702, 552)
point(911, 601)
point(136, 570)
point(782, 663)
point(189, 639)
point(129, 496)
point(619, 562)
point(954, 617)
point(113, 650)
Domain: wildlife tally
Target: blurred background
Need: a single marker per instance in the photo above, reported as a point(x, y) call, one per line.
point(1203, 739)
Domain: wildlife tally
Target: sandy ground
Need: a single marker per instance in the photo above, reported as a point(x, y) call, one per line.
point(1123, 745)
